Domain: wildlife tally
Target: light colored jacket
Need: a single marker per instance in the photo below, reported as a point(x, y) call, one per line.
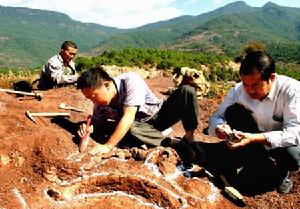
point(54, 73)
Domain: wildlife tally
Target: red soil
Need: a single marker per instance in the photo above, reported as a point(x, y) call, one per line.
point(40, 166)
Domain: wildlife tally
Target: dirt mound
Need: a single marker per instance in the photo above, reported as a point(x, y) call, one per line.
point(40, 165)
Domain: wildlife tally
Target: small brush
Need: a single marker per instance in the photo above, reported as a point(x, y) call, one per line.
point(229, 191)
point(232, 192)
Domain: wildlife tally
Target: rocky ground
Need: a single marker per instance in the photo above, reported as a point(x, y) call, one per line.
point(40, 166)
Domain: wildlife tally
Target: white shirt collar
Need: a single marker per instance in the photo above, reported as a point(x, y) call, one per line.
point(273, 89)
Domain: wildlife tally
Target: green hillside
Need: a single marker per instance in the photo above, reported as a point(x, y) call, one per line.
point(29, 36)
point(272, 25)
point(164, 32)
point(224, 31)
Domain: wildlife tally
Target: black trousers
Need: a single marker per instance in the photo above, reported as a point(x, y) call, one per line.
point(181, 105)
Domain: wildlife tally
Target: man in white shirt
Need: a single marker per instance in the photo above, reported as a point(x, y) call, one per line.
point(59, 69)
point(264, 109)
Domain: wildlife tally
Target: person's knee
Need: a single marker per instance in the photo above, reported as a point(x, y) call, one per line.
point(294, 155)
point(146, 133)
point(134, 130)
point(240, 118)
point(188, 89)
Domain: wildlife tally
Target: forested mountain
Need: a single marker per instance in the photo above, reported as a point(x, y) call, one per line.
point(223, 31)
point(164, 32)
point(29, 36)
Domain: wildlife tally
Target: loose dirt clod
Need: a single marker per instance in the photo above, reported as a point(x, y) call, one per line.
point(4, 160)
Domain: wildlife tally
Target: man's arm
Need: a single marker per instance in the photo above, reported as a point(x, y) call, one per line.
point(247, 138)
point(54, 69)
point(70, 78)
point(217, 118)
point(134, 98)
point(119, 132)
point(123, 126)
point(290, 133)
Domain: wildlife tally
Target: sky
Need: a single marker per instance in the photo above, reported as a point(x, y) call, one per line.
point(132, 13)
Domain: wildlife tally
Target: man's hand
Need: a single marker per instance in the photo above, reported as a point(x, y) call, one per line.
point(83, 130)
point(235, 139)
point(101, 149)
point(245, 138)
point(223, 131)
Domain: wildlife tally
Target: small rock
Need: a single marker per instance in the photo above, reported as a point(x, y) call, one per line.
point(50, 174)
point(4, 160)
point(89, 166)
point(97, 159)
point(23, 180)
point(121, 154)
point(55, 195)
point(141, 154)
point(166, 167)
point(19, 161)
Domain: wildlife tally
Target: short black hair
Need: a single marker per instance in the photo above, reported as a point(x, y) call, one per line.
point(92, 77)
point(67, 44)
point(258, 61)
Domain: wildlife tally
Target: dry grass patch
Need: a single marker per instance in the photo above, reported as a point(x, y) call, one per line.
point(8, 77)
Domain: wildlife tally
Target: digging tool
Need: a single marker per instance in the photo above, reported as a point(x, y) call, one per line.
point(85, 139)
point(228, 190)
point(232, 192)
point(37, 95)
point(68, 107)
point(31, 115)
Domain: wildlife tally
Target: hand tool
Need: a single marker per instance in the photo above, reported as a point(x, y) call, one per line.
point(68, 107)
point(232, 192)
point(31, 115)
point(85, 138)
point(37, 95)
point(228, 190)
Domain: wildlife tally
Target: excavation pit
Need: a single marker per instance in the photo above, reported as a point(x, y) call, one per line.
point(147, 191)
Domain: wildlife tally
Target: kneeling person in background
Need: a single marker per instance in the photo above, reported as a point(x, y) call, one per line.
point(59, 69)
